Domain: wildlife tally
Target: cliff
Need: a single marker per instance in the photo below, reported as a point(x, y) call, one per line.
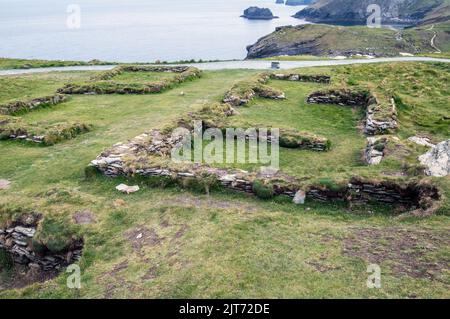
point(392, 11)
point(326, 40)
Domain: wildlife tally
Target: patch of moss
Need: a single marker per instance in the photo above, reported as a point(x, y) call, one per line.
point(54, 233)
point(263, 190)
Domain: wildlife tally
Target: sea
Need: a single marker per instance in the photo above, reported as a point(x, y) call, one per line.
point(134, 30)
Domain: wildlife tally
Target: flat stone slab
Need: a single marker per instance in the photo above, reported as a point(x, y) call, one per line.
point(4, 184)
point(424, 141)
point(127, 189)
point(83, 218)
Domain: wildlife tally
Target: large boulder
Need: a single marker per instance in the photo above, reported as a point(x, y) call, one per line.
point(437, 160)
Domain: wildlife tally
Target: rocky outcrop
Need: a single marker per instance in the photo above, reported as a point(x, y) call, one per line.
point(256, 13)
point(437, 160)
point(349, 11)
point(27, 106)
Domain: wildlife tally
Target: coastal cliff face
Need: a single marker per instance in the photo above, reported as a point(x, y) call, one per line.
point(392, 11)
point(326, 40)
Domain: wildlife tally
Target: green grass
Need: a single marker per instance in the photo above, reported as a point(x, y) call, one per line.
point(143, 77)
point(29, 86)
point(225, 244)
point(6, 63)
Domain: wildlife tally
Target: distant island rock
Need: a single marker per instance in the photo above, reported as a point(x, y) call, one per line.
point(256, 13)
point(298, 2)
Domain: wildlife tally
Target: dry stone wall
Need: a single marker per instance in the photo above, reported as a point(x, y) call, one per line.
point(17, 240)
point(15, 129)
point(301, 77)
point(380, 118)
point(374, 152)
point(146, 156)
point(413, 195)
point(27, 106)
point(104, 83)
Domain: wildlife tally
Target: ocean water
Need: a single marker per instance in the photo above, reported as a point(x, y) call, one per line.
point(135, 30)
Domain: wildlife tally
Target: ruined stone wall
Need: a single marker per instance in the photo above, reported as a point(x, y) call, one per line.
point(411, 195)
point(339, 97)
point(15, 129)
point(102, 84)
point(301, 78)
point(18, 241)
point(380, 118)
point(26, 106)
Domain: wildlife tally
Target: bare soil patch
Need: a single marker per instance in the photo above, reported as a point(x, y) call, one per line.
point(150, 274)
point(143, 236)
point(21, 276)
point(408, 252)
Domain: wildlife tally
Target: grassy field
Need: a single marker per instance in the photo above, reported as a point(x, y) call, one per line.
point(24, 87)
point(227, 244)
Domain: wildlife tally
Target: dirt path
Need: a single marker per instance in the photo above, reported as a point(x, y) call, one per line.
point(432, 42)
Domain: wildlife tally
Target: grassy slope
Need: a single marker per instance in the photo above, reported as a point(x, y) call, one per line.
point(226, 245)
point(325, 40)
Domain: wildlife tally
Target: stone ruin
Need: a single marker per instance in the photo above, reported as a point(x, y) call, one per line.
point(380, 118)
point(26, 106)
point(374, 153)
point(104, 82)
point(301, 77)
point(244, 91)
point(146, 156)
point(17, 240)
point(412, 195)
